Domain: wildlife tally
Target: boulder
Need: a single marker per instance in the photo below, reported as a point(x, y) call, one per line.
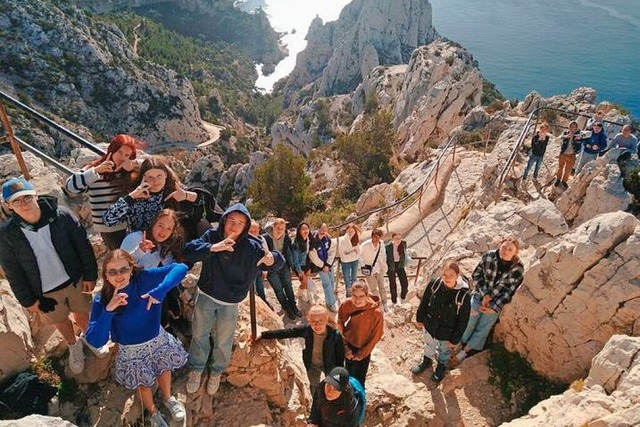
point(15, 335)
point(37, 421)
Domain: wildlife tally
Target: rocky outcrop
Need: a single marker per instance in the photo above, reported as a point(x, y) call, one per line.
point(83, 70)
point(15, 334)
point(597, 262)
point(367, 34)
point(37, 421)
point(610, 396)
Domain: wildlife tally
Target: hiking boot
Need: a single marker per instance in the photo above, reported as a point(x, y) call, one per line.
point(157, 420)
point(193, 382)
point(296, 311)
point(213, 384)
point(76, 357)
point(438, 374)
point(564, 185)
point(176, 409)
point(420, 368)
point(290, 314)
point(557, 183)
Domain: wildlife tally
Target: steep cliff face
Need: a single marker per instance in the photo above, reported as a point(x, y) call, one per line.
point(85, 72)
point(367, 34)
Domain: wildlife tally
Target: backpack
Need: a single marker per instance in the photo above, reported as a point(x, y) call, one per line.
point(460, 295)
point(26, 394)
point(358, 392)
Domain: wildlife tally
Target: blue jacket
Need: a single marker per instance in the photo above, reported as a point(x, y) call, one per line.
point(299, 253)
point(227, 276)
point(599, 139)
point(133, 323)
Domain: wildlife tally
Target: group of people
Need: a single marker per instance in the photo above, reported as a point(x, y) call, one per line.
point(578, 147)
point(156, 228)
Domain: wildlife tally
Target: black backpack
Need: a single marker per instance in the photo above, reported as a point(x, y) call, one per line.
point(26, 395)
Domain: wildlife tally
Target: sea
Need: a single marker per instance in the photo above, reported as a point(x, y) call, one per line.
point(550, 46)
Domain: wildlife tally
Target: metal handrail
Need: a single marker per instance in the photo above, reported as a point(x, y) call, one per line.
point(41, 117)
point(44, 156)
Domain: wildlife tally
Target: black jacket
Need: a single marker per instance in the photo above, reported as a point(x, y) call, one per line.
point(286, 247)
point(332, 350)
point(444, 312)
point(69, 239)
point(341, 412)
point(539, 146)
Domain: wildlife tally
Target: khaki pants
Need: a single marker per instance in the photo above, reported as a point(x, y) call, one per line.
point(376, 286)
point(566, 162)
point(70, 300)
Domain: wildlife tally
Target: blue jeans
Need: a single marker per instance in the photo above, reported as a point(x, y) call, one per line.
point(215, 320)
point(533, 159)
point(327, 286)
point(584, 159)
point(436, 349)
point(350, 274)
point(282, 287)
point(479, 326)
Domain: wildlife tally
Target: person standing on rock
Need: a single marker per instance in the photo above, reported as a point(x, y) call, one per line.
point(128, 309)
point(280, 280)
point(340, 401)
point(230, 259)
point(538, 148)
point(396, 255)
point(497, 277)
point(322, 253)
point(373, 264)
point(349, 253)
point(323, 346)
point(254, 231)
point(361, 322)
point(49, 262)
point(592, 146)
point(106, 179)
point(300, 263)
point(625, 141)
point(569, 149)
point(444, 314)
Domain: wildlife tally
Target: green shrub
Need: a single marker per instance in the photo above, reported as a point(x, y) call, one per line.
point(490, 93)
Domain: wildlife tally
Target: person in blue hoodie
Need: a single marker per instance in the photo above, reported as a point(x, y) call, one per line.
point(230, 261)
point(592, 146)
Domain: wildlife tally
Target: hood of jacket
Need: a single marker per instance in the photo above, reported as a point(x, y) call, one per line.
point(238, 207)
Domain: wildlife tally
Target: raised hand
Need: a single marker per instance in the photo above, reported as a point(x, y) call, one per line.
point(117, 300)
point(141, 191)
point(151, 301)
point(267, 259)
point(224, 245)
point(127, 166)
point(106, 166)
point(146, 245)
point(179, 195)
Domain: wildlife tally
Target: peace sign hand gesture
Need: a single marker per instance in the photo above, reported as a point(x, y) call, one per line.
point(146, 245)
point(106, 166)
point(117, 300)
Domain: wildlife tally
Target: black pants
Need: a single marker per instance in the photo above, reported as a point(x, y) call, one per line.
point(358, 368)
point(114, 239)
point(404, 283)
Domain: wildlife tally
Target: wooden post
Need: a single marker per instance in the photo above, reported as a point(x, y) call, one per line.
point(12, 140)
point(252, 311)
point(415, 282)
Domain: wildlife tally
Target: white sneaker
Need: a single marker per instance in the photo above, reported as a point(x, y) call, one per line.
point(461, 355)
point(403, 301)
point(157, 420)
point(213, 384)
point(193, 382)
point(76, 357)
point(101, 352)
point(176, 409)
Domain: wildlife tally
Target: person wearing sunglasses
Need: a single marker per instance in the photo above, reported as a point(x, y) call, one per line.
point(592, 146)
point(49, 262)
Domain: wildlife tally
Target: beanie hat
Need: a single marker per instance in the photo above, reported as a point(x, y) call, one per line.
point(15, 188)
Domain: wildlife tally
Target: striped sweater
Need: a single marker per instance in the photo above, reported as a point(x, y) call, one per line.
point(102, 194)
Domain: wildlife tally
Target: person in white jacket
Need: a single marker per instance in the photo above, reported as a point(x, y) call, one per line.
point(373, 259)
point(349, 254)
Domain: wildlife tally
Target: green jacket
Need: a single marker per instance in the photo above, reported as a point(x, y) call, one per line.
point(402, 249)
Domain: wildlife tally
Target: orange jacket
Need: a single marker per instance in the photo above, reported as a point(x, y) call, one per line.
point(361, 328)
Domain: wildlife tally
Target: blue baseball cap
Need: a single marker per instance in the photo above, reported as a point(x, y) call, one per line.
point(17, 187)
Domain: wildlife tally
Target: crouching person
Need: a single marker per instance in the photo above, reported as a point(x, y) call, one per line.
point(340, 401)
point(128, 308)
point(444, 313)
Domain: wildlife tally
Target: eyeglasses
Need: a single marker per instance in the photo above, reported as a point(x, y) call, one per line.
point(21, 201)
point(112, 272)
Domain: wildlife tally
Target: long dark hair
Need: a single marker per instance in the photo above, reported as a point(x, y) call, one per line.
point(355, 239)
point(158, 162)
point(176, 242)
point(299, 242)
point(106, 293)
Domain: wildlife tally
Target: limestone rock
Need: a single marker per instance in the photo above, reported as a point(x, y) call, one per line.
point(37, 421)
point(608, 398)
point(477, 118)
point(598, 261)
point(545, 215)
point(15, 334)
point(375, 197)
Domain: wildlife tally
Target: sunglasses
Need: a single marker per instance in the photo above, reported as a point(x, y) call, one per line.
point(112, 272)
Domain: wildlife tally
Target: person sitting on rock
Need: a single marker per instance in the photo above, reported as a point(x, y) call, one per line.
point(128, 309)
point(49, 262)
point(497, 277)
point(396, 255)
point(592, 146)
point(230, 259)
point(106, 179)
point(280, 280)
point(361, 322)
point(571, 146)
point(340, 401)
point(444, 314)
point(323, 346)
point(625, 142)
point(538, 147)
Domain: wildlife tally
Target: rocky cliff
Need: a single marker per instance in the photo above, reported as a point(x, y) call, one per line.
point(84, 71)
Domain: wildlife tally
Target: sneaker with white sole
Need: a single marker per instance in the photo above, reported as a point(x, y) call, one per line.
point(461, 355)
point(76, 357)
point(193, 382)
point(176, 409)
point(101, 352)
point(157, 420)
point(213, 384)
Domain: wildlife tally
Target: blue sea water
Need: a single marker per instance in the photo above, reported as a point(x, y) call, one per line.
point(550, 46)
